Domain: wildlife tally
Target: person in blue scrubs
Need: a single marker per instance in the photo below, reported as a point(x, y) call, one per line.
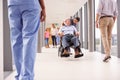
point(24, 20)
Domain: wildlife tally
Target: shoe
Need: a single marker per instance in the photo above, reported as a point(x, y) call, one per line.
point(106, 58)
point(65, 55)
point(70, 53)
point(79, 55)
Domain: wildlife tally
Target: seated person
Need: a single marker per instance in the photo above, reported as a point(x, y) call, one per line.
point(67, 34)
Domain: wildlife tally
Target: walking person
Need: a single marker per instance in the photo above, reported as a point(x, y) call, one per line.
point(47, 36)
point(58, 37)
point(53, 35)
point(105, 18)
point(24, 19)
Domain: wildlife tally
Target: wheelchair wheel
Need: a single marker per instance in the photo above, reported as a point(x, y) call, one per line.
point(60, 51)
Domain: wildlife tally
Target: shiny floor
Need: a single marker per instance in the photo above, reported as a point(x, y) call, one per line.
point(90, 67)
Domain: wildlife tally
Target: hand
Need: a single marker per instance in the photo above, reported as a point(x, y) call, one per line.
point(96, 24)
point(43, 15)
point(114, 18)
point(77, 33)
point(61, 34)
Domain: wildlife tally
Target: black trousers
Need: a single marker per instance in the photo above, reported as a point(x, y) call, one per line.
point(54, 40)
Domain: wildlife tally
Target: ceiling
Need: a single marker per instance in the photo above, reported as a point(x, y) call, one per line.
point(58, 10)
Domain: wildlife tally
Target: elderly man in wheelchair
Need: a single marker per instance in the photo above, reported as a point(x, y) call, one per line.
point(69, 36)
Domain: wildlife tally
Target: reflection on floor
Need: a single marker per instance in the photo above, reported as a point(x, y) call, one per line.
point(90, 67)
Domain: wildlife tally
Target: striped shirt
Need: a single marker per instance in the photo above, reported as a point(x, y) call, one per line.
point(107, 8)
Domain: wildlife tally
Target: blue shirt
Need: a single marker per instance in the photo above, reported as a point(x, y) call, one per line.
point(68, 30)
point(23, 2)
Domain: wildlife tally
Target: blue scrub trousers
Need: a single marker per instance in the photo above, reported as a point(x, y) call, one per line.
point(24, 24)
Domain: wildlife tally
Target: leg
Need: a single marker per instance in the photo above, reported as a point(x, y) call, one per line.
point(31, 20)
point(103, 29)
point(65, 41)
point(53, 40)
point(48, 42)
point(16, 37)
point(110, 31)
point(79, 46)
point(57, 39)
point(65, 45)
point(76, 43)
point(45, 41)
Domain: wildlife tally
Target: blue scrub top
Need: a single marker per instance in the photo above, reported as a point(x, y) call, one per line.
point(23, 2)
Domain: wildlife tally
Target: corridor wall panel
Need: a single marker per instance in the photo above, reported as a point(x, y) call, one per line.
point(1, 40)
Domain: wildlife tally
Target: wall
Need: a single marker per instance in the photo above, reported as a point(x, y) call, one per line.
point(1, 40)
point(6, 37)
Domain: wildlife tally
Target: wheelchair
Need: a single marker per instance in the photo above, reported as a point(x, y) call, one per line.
point(61, 49)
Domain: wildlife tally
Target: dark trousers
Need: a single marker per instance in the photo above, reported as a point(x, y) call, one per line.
point(54, 40)
point(66, 39)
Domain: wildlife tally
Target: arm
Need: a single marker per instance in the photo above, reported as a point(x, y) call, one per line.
point(115, 13)
point(60, 33)
point(76, 32)
point(43, 13)
point(97, 20)
point(99, 10)
point(114, 18)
